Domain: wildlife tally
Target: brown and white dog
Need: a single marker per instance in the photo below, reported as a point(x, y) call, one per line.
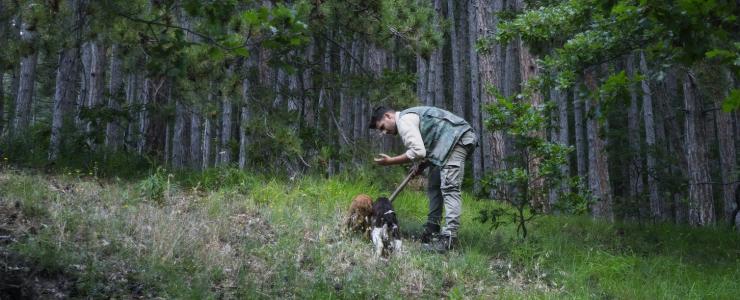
point(360, 213)
point(385, 233)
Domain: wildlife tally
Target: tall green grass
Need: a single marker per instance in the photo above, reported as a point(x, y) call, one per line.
point(224, 233)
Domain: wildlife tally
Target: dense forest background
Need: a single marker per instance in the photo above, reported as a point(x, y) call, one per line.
point(642, 93)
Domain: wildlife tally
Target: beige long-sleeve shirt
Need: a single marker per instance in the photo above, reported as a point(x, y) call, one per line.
point(408, 129)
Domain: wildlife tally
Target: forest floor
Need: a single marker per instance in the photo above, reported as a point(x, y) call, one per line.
point(232, 235)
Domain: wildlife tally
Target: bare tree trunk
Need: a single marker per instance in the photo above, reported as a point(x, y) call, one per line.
point(727, 155)
point(458, 101)
point(207, 137)
point(598, 175)
point(63, 94)
point(656, 203)
point(422, 77)
point(561, 136)
point(307, 88)
point(701, 205)
point(132, 102)
point(196, 132)
point(475, 112)
point(635, 169)
point(179, 137)
point(245, 115)
point(24, 98)
point(675, 143)
point(146, 88)
point(224, 153)
point(2, 99)
point(578, 131)
point(489, 65)
point(113, 132)
point(345, 103)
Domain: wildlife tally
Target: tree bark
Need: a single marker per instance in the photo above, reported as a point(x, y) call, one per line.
point(179, 137)
point(196, 142)
point(436, 82)
point(656, 203)
point(475, 112)
point(132, 83)
point(2, 99)
point(676, 142)
point(345, 103)
point(489, 65)
point(635, 169)
point(63, 93)
point(701, 205)
point(95, 83)
point(458, 101)
point(727, 154)
point(116, 93)
point(422, 77)
point(24, 98)
point(598, 175)
point(143, 115)
point(579, 134)
point(224, 153)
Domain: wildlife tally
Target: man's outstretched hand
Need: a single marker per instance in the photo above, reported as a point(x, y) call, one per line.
point(382, 159)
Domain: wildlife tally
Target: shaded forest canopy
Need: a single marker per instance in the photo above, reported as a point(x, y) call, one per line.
point(640, 96)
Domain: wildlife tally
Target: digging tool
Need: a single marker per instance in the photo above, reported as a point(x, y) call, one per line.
point(406, 180)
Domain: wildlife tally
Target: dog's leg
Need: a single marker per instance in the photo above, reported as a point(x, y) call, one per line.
point(377, 235)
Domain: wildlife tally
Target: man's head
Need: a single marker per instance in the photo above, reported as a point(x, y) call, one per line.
point(384, 120)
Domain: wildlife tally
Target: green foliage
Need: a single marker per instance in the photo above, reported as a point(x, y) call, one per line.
point(531, 172)
point(573, 35)
point(157, 186)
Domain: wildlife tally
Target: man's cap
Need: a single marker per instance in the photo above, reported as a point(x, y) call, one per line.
point(377, 115)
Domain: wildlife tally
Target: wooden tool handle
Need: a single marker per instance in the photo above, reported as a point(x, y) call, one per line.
point(402, 185)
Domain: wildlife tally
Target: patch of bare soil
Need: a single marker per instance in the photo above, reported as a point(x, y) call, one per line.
point(19, 278)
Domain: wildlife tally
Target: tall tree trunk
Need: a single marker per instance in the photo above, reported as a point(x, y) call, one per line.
point(529, 71)
point(207, 138)
point(132, 81)
point(422, 77)
point(561, 136)
point(475, 112)
point(345, 103)
point(579, 134)
point(701, 205)
point(727, 155)
point(224, 153)
point(598, 172)
point(656, 203)
point(436, 69)
point(196, 133)
point(489, 65)
point(179, 137)
point(63, 93)
point(307, 87)
point(144, 98)
point(95, 82)
point(245, 115)
point(676, 141)
point(116, 93)
point(2, 100)
point(634, 168)
point(24, 98)
point(458, 101)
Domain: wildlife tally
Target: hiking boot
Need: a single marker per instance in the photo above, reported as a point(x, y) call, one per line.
point(441, 245)
point(431, 231)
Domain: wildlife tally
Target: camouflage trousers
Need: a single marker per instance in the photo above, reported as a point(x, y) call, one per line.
point(443, 186)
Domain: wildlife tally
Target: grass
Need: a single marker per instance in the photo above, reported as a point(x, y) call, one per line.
point(228, 234)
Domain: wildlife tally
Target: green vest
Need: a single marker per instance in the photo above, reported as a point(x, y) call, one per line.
point(440, 131)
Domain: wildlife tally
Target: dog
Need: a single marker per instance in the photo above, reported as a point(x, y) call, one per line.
point(359, 215)
point(385, 233)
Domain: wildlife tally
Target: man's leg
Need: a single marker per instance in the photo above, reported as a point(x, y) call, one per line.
point(451, 179)
point(435, 199)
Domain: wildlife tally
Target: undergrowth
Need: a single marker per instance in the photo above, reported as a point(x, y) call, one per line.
point(225, 233)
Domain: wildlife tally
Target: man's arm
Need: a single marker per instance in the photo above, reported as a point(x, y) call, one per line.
point(385, 160)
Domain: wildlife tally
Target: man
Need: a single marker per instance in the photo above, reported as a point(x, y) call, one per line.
point(444, 140)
